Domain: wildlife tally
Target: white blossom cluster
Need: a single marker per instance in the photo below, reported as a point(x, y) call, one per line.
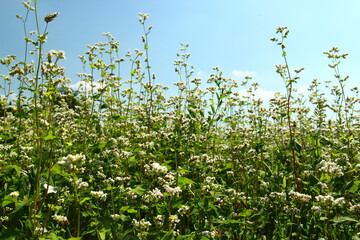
point(355, 208)
point(99, 194)
point(122, 179)
point(183, 210)
point(315, 208)
point(153, 195)
point(169, 178)
point(211, 234)
point(278, 195)
point(210, 180)
point(14, 194)
point(159, 220)
point(131, 193)
point(80, 184)
point(171, 190)
point(174, 220)
point(72, 161)
point(141, 224)
point(156, 168)
point(60, 218)
point(329, 200)
point(115, 216)
point(331, 168)
point(4, 219)
point(299, 196)
point(40, 230)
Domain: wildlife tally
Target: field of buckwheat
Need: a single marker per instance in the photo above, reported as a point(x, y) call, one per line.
point(117, 159)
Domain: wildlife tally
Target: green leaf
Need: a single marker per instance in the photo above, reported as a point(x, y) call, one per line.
point(183, 181)
point(355, 186)
point(103, 232)
point(56, 169)
point(124, 208)
point(132, 210)
point(50, 136)
point(295, 145)
point(20, 205)
point(124, 217)
point(84, 200)
point(183, 170)
point(8, 200)
point(51, 236)
point(325, 177)
point(138, 190)
point(343, 219)
point(11, 234)
point(16, 168)
point(284, 181)
point(246, 213)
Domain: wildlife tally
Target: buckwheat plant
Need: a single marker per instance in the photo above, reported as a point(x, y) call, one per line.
point(116, 158)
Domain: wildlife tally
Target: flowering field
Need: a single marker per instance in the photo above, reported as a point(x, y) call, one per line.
point(117, 159)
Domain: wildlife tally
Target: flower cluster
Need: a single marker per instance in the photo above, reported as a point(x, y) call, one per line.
point(156, 168)
point(183, 210)
point(172, 191)
point(328, 200)
point(331, 168)
point(73, 162)
point(299, 196)
point(14, 194)
point(60, 218)
point(99, 194)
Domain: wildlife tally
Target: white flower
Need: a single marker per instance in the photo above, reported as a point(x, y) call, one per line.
point(115, 216)
point(182, 211)
point(339, 201)
point(156, 193)
point(315, 208)
point(60, 218)
point(14, 194)
point(99, 194)
point(355, 208)
point(50, 189)
point(142, 223)
point(299, 196)
point(331, 168)
point(174, 219)
point(3, 219)
point(172, 191)
point(159, 220)
point(328, 199)
point(280, 195)
point(210, 179)
point(40, 230)
point(156, 167)
point(81, 184)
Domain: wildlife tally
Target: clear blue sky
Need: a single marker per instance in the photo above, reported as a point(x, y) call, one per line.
point(231, 34)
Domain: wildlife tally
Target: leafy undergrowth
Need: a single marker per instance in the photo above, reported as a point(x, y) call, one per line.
point(117, 159)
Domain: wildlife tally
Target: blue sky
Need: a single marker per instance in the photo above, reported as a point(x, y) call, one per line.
point(231, 34)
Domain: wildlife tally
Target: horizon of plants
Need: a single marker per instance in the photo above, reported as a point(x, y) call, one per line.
point(117, 159)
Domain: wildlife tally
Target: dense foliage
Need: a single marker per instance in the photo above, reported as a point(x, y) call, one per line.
point(117, 159)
